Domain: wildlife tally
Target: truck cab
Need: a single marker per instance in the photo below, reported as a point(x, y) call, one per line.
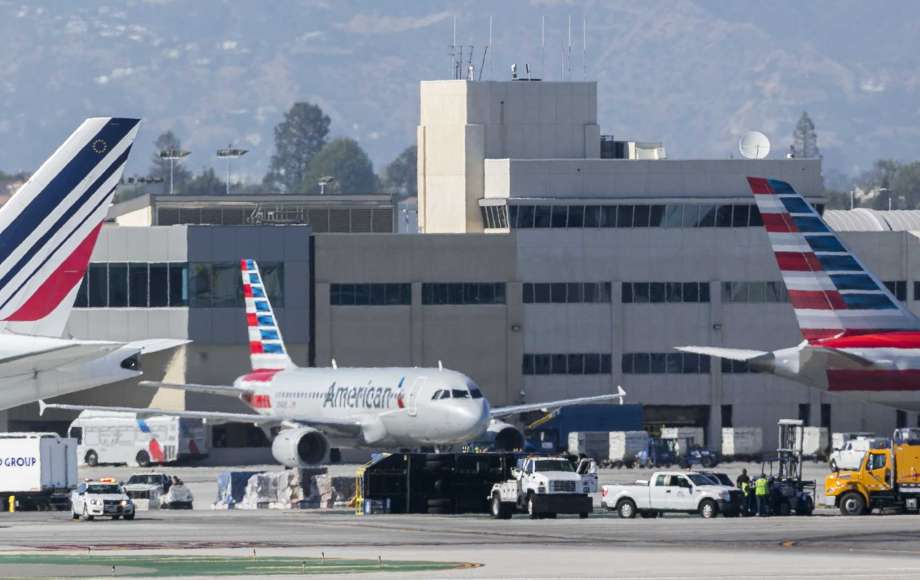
point(885, 478)
point(103, 497)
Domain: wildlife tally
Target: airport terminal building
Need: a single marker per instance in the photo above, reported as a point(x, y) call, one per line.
point(543, 269)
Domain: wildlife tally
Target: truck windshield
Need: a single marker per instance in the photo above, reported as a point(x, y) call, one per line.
point(700, 479)
point(154, 479)
point(103, 488)
point(553, 465)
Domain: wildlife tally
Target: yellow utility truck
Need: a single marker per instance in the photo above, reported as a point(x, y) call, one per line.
point(887, 478)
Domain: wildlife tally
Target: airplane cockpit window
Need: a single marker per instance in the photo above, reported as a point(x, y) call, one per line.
point(476, 393)
point(437, 395)
point(445, 394)
point(460, 394)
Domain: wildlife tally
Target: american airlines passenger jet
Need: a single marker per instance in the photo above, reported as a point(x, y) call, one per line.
point(48, 230)
point(321, 408)
point(858, 339)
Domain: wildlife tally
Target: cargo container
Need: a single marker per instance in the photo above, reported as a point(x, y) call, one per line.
point(550, 433)
point(38, 469)
point(742, 443)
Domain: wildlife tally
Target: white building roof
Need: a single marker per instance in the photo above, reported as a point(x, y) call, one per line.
point(872, 220)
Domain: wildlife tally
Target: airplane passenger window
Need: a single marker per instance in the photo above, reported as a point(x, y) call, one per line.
point(460, 394)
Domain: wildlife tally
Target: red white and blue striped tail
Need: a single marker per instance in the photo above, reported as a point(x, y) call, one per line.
point(266, 346)
point(49, 227)
point(832, 292)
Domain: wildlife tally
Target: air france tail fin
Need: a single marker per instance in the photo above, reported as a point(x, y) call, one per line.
point(832, 293)
point(49, 227)
point(266, 346)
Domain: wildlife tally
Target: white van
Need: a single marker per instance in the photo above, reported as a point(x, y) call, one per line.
point(112, 437)
point(850, 456)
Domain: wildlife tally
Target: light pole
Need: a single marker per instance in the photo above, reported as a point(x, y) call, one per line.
point(230, 153)
point(888, 191)
point(172, 155)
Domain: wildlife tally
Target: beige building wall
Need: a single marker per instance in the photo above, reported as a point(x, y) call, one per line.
point(463, 123)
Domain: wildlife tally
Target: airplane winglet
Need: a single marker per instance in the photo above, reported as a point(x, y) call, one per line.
point(621, 393)
point(42, 405)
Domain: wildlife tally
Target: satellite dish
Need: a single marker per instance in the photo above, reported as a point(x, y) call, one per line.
point(754, 145)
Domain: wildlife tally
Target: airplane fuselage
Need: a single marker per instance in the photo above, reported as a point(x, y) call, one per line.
point(395, 407)
point(893, 378)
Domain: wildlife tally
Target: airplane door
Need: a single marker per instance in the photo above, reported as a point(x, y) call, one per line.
point(414, 389)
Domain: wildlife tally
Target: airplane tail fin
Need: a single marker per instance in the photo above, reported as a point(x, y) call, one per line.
point(49, 227)
point(266, 346)
point(832, 293)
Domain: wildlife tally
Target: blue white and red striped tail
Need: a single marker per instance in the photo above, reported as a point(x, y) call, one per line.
point(832, 293)
point(49, 227)
point(266, 346)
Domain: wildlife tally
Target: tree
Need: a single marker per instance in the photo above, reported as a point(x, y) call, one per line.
point(298, 138)
point(159, 168)
point(344, 160)
point(400, 175)
point(905, 187)
point(805, 139)
point(205, 183)
point(877, 183)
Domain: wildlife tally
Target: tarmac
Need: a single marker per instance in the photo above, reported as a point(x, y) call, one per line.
point(602, 546)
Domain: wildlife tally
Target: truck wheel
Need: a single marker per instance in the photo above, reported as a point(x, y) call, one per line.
point(626, 509)
point(129, 516)
point(91, 458)
point(531, 508)
point(142, 459)
point(499, 510)
point(852, 504)
point(783, 509)
point(708, 509)
point(806, 507)
point(75, 515)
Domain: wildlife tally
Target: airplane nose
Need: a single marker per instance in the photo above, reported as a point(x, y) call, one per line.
point(472, 420)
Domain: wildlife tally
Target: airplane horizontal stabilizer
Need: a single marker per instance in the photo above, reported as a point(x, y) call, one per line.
point(223, 390)
point(740, 354)
point(832, 358)
point(546, 406)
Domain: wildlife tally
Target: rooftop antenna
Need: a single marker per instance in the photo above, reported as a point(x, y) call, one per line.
point(527, 70)
point(543, 46)
point(485, 51)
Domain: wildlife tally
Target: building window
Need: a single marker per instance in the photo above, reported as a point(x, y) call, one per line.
point(739, 215)
point(570, 293)
point(754, 292)
point(566, 364)
point(665, 292)
point(655, 363)
point(458, 293)
point(899, 289)
point(370, 294)
point(736, 367)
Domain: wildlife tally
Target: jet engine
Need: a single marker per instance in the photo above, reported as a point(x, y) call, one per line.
point(300, 447)
point(503, 436)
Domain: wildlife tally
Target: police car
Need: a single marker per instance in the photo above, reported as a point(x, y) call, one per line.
point(102, 497)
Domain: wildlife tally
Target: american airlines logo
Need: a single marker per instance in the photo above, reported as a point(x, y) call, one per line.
point(368, 397)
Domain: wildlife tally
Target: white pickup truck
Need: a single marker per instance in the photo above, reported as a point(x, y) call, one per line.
point(545, 486)
point(672, 491)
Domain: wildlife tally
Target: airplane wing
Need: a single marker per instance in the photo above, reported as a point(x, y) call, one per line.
point(740, 354)
point(152, 345)
point(223, 390)
point(213, 417)
point(546, 406)
point(55, 357)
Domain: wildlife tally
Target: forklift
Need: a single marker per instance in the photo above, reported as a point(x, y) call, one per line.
point(788, 491)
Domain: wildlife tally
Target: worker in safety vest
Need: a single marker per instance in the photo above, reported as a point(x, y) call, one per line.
point(762, 493)
point(747, 495)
